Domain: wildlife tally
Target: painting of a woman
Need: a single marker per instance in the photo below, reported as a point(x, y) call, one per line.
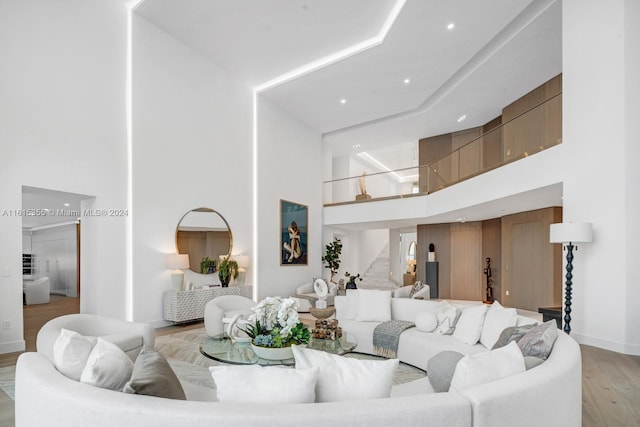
point(293, 223)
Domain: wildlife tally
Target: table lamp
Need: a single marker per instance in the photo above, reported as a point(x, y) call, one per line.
point(570, 233)
point(176, 262)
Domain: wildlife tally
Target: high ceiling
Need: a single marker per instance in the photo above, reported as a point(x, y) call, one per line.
point(497, 51)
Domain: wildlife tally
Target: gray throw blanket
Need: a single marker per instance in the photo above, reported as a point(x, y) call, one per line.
point(386, 336)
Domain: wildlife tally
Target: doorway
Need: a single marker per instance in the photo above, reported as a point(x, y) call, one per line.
point(51, 227)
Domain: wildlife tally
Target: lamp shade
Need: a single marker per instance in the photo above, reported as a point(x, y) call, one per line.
point(242, 260)
point(570, 232)
point(177, 261)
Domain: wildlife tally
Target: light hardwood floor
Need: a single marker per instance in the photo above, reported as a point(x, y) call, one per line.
point(610, 381)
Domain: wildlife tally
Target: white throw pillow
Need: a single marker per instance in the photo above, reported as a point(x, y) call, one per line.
point(497, 320)
point(373, 306)
point(426, 321)
point(264, 384)
point(482, 368)
point(352, 304)
point(343, 378)
point(71, 351)
point(107, 366)
point(469, 326)
point(447, 317)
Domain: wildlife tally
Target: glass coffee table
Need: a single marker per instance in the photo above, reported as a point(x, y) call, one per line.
point(224, 349)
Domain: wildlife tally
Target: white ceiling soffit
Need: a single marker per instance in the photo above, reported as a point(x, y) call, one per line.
point(419, 47)
point(258, 40)
point(48, 206)
point(498, 51)
point(526, 60)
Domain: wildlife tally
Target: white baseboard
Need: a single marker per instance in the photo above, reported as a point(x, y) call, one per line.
point(618, 347)
point(12, 346)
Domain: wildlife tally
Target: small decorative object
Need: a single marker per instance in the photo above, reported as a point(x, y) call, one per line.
point(274, 327)
point(227, 270)
point(322, 291)
point(489, 289)
point(326, 329)
point(431, 256)
point(351, 283)
point(293, 232)
point(331, 256)
point(363, 187)
point(207, 265)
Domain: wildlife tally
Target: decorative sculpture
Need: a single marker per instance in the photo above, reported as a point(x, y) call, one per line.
point(489, 290)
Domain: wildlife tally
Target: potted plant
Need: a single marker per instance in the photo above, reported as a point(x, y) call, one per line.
point(274, 327)
point(332, 256)
point(351, 283)
point(207, 265)
point(227, 270)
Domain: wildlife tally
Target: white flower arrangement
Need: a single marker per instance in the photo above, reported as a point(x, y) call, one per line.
point(275, 323)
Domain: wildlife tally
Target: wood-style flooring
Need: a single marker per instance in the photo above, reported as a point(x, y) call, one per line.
point(610, 381)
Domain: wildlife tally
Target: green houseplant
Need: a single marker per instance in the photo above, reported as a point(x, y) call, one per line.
point(227, 270)
point(207, 265)
point(332, 256)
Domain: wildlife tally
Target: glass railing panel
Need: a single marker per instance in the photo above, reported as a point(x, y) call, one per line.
point(533, 131)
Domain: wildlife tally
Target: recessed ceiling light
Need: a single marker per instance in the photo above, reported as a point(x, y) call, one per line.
point(451, 26)
point(406, 81)
point(356, 145)
point(343, 101)
point(66, 204)
point(462, 117)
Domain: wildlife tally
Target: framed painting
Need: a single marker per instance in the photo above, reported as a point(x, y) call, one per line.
point(293, 233)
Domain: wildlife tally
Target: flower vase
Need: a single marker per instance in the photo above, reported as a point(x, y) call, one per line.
point(272, 353)
point(351, 285)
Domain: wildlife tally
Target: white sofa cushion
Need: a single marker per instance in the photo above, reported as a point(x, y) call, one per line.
point(264, 384)
point(482, 368)
point(426, 321)
point(497, 320)
point(469, 326)
point(447, 317)
point(107, 366)
point(71, 351)
point(373, 305)
point(342, 378)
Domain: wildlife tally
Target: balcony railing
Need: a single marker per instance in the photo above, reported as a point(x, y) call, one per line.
point(528, 133)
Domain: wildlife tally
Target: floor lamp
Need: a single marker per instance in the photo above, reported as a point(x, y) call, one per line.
point(569, 233)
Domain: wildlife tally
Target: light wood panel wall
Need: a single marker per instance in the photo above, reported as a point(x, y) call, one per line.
point(538, 128)
point(439, 235)
point(466, 261)
point(529, 261)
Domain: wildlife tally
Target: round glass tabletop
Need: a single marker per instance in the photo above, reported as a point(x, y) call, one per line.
point(224, 349)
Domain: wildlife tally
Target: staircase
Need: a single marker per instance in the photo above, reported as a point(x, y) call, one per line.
point(377, 275)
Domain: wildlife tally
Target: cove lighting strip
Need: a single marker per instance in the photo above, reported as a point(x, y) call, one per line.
point(401, 179)
point(292, 75)
point(129, 111)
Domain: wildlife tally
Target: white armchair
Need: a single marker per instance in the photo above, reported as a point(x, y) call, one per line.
point(405, 292)
point(225, 307)
point(37, 292)
point(129, 336)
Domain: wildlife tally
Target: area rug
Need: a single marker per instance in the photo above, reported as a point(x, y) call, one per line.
point(182, 350)
point(7, 381)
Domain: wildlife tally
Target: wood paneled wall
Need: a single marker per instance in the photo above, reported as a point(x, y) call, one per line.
point(523, 261)
point(530, 264)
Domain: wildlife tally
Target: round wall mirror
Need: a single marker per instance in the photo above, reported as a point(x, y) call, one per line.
point(204, 235)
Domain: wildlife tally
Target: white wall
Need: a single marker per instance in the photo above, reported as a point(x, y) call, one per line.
point(191, 148)
point(290, 167)
point(600, 66)
point(63, 127)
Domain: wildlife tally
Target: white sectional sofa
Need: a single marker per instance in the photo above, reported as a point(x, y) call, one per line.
point(549, 394)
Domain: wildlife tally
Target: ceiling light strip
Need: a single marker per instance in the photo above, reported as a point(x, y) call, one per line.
point(336, 56)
